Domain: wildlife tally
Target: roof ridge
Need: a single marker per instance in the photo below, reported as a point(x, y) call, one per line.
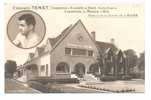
point(54, 40)
point(69, 30)
point(103, 42)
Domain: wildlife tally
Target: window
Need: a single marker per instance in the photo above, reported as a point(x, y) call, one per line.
point(79, 52)
point(42, 68)
point(68, 51)
point(90, 53)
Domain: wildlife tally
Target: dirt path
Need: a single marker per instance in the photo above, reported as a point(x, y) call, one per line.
point(14, 86)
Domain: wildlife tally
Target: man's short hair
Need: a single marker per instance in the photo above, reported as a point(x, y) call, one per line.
point(29, 18)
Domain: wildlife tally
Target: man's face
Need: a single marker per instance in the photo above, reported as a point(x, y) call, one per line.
point(24, 28)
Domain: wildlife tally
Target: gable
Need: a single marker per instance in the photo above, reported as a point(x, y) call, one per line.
point(36, 53)
point(78, 37)
point(48, 46)
point(39, 51)
point(75, 36)
point(104, 47)
point(30, 56)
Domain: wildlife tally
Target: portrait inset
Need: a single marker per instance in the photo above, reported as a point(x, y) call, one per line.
point(26, 29)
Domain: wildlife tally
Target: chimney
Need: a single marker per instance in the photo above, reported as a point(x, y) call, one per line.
point(93, 35)
point(112, 40)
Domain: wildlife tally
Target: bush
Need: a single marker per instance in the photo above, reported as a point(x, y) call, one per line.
point(8, 75)
point(107, 78)
point(126, 77)
point(135, 75)
point(38, 86)
point(119, 77)
point(45, 80)
point(70, 80)
point(42, 80)
point(98, 75)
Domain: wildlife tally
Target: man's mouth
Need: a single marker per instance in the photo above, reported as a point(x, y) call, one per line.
point(23, 33)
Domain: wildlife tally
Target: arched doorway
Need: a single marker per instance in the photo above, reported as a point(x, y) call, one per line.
point(94, 69)
point(62, 68)
point(79, 69)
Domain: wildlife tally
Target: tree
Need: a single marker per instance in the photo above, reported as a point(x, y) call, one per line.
point(100, 63)
point(141, 61)
point(10, 67)
point(141, 65)
point(131, 59)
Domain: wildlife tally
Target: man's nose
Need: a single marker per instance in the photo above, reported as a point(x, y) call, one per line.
point(20, 28)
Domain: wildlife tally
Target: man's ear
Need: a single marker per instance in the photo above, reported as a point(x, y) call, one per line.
point(31, 27)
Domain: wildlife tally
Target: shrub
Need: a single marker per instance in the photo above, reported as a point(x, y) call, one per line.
point(119, 77)
point(42, 80)
point(8, 75)
point(69, 80)
point(107, 78)
point(135, 75)
point(38, 86)
point(45, 80)
point(126, 77)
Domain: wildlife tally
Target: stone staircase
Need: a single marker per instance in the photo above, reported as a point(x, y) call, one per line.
point(91, 78)
point(88, 78)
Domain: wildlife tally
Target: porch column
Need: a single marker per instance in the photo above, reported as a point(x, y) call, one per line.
point(86, 70)
point(39, 67)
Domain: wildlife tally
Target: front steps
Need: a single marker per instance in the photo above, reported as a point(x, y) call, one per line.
point(88, 78)
point(91, 78)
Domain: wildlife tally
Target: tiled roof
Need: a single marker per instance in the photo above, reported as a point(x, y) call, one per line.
point(53, 41)
point(31, 55)
point(103, 46)
point(41, 49)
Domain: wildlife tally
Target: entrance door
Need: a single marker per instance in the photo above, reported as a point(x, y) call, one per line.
point(79, 70)
point(94, 69)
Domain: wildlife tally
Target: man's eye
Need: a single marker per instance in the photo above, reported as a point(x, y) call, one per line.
point(22, 25)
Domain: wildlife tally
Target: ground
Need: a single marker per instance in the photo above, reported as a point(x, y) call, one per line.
point(13, 86)
point(73, 88)
point(133, 86)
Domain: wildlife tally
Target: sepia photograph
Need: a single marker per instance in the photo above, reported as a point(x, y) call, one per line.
point(79, 48)
point(23, 29)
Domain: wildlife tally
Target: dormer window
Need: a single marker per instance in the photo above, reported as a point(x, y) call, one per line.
point(68, 51)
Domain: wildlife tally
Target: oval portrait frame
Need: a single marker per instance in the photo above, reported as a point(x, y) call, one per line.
point(35, 14)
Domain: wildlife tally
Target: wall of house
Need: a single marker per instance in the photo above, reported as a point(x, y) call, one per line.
point(71, 40)
point(45, 62)
point(40, 62)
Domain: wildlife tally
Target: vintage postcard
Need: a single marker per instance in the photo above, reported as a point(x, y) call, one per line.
point(74, 48)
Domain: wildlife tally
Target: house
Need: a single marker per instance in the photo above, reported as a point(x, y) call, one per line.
point(74, 51)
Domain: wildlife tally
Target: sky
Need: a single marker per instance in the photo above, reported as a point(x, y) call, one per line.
point(128, 32)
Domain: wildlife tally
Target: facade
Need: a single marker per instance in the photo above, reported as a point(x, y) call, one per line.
point(74, 52)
